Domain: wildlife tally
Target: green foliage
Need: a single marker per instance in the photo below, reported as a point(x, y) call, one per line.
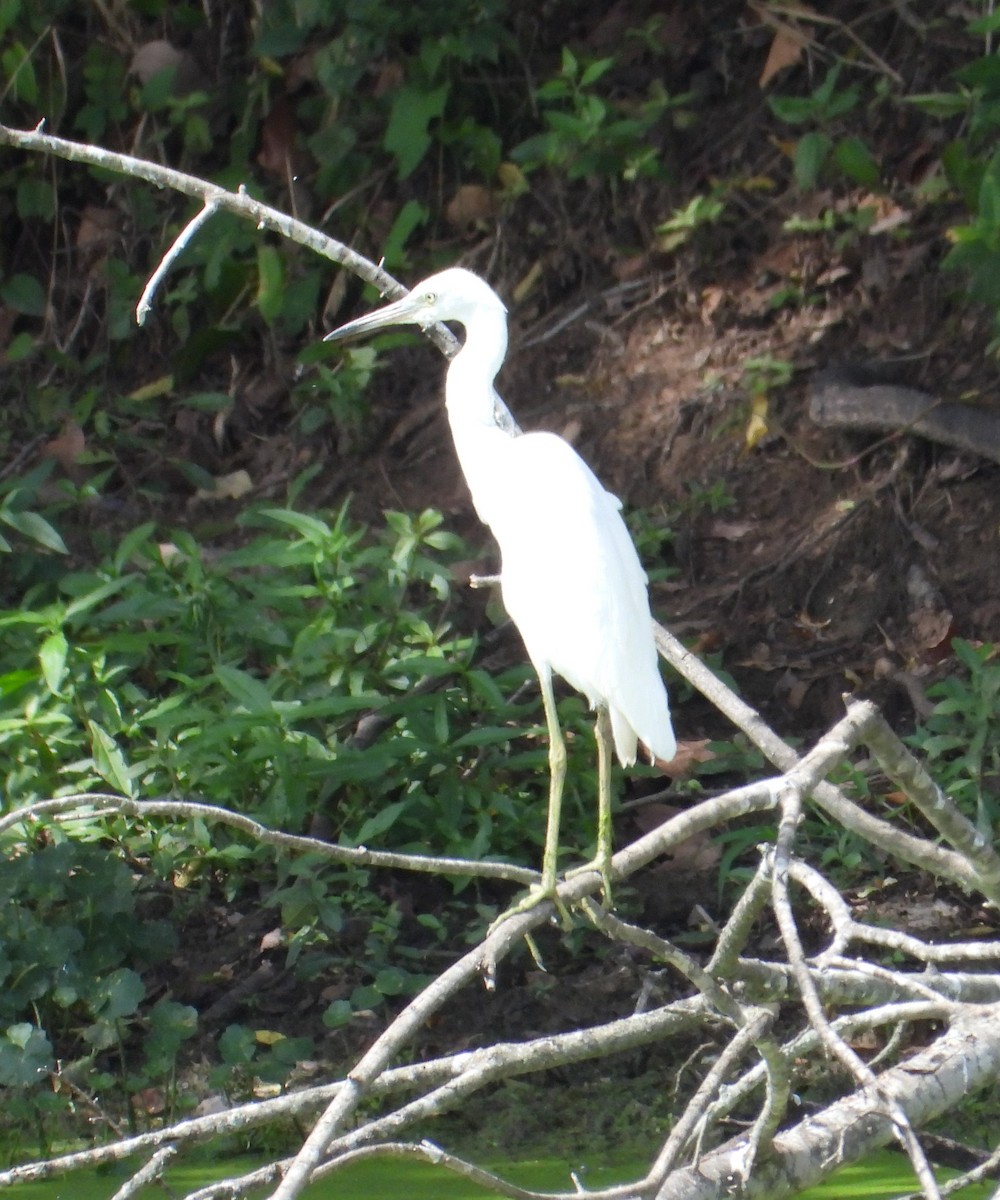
point(587, 134)
point(239, 675)
point(817, 148)
point(961, 738)
point(976, 248)
point(71, 927)
point(248, 1056)
point(701, 210)
point(175, 669)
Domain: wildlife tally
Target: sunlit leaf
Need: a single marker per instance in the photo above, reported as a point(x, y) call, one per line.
point(52, 657)
point(109, 762)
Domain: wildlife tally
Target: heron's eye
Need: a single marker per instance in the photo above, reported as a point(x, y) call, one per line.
point(430, 298)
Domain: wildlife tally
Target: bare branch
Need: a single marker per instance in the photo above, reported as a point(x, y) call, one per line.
point(143, 308)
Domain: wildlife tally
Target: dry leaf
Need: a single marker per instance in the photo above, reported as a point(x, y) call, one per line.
point(271, 940)
point(728, 531)
point(154, 390)
point(151, 1101)
point(277, 139)
point(390, 79)
point(512, 179)
point(159, 55)
point(786, 50)
point(756, 429)
point(526, 285)
point(687, 756)
point(67, 448)
point(711, 299)
point(227, 487)
point(153, 57)
point(98, 228)
point(471, 205)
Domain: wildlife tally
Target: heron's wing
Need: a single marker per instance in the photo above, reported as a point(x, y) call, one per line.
point(574, 586)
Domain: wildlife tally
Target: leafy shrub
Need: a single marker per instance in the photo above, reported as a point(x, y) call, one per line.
point(961, 738)
point(240, 674)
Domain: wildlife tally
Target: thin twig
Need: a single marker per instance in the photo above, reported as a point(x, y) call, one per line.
point(143, 308)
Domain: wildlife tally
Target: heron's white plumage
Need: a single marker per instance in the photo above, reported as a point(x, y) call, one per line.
point(571, 578)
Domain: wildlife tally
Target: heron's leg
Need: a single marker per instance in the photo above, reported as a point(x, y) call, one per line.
point(602, 859)
point(602, 735)
point(546, 890)
point(557, 777)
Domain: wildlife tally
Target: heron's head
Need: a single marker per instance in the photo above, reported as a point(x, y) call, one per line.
point(451, 295)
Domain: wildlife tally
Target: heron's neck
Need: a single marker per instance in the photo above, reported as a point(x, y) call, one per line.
point(470, 399)
point(469, 394)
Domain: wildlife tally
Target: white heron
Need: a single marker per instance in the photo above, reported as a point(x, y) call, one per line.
point(570, 576)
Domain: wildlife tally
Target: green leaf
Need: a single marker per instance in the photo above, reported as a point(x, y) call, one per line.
point(941, 104)
point(33, 526)
point(337, 1014)
point(24, 294)
point(393, 981)
point(270, 282)
point(989, 197)
point(311, 528)
point(25, 1056)
point(52, 656)
point(83, 604)
point(987, 24)
point(793, 110)
point(170, 1023)
point(118, 995)
point(595, 70)
point(245, 689)
point(35, 198)
point(856, 161)
point(384, 819)
point(412, 214)
point(407, 135)
point(19, 74)
point(810, 155)
point(109, 762)
point(365, 997)
point(237, 1045)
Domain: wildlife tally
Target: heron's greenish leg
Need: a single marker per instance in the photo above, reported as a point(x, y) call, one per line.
point(557, 778)
point(546, 890)
point(602, 734)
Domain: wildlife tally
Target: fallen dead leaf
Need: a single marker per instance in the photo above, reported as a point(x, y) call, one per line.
point(711, 300)
point(67, 448)
point(153, 57)
point(470, 206)
point(98, 228)
point(832, 275)
point(524, 287)
point(278, 133)
point(271, 940)
point(785, 51)
point(227, 487)
point(159, 55)
point(390, 78)
point(757, 427)
point(688, 755)
point(728, 531)
point(512, 179)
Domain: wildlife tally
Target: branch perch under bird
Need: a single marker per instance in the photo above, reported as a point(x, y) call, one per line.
point(570, 575)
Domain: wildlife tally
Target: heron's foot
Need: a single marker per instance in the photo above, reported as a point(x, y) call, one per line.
point(601, 866)
point(538, 894)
